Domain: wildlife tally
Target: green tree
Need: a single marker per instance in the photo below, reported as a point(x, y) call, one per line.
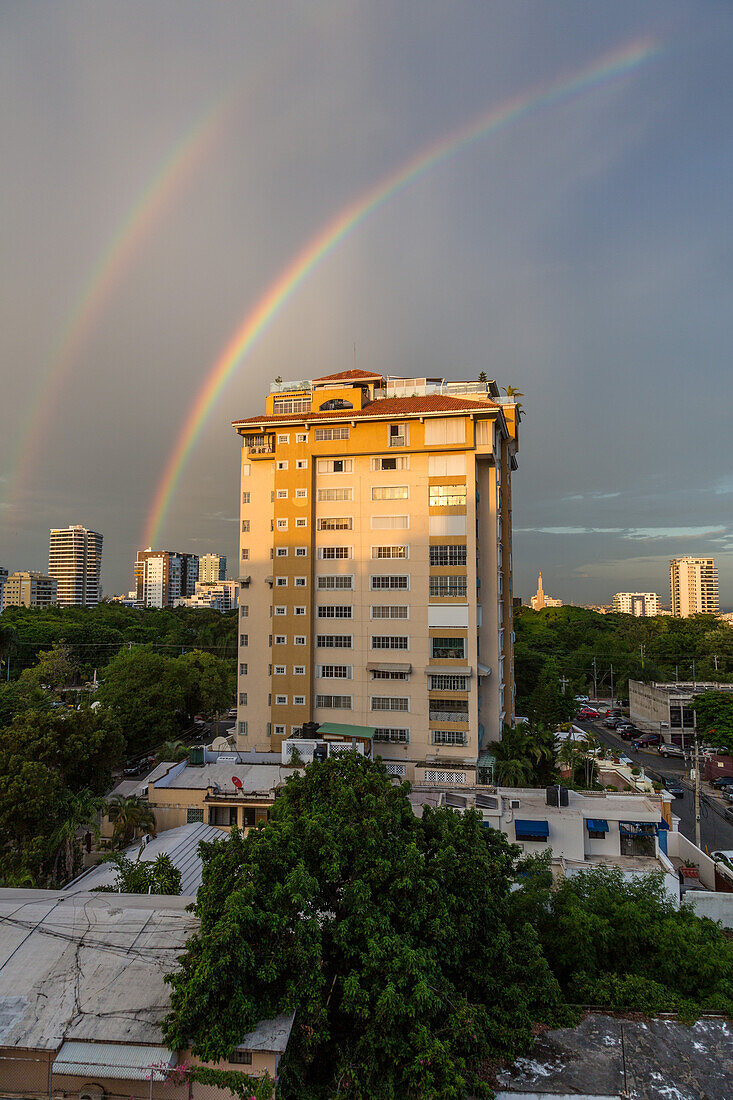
point(714, 717)
point(80, 810)
point(143, 693)
point(131, 817)
point(55, 668)
point(548, 705)
point(139, 876)
point(207, 683)
point(171, 750)
point(387, 932)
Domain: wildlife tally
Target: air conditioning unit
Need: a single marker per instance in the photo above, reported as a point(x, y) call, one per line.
point(514, 803)
point(91, 1092)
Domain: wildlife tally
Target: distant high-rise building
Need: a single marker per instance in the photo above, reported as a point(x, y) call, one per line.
point(693, 584)
point(212, 568)
point(540, 599)
point(30, 589)
point(75, 561)
point(164, 576)
point(222, 596)
point(3, 579)
point(641, 604)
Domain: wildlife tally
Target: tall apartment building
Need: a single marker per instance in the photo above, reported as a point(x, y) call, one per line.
point(3, 579)
point(376, 567)
point(212, 568)
point(164, 576)
point(30, 589)
point(75, 561)
point(643, 605)
point(693, 585)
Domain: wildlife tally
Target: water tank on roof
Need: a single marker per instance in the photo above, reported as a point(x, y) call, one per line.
point(196, 756)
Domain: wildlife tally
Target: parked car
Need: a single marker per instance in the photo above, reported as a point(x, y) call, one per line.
point(587, 712)
point(646, 740)
point(611, 723)
point(728, 813)
point(582, 699)
point(673, 787)
point(670, 750)
point(724, 781)
point(232, 712)
point(627, 731)
point(133, 767)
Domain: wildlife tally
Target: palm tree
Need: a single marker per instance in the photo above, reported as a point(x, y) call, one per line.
point(131, 816)
point(171, 750)
point(513, 392)
point(568, 754)
point(512, 772)
point(81, 811)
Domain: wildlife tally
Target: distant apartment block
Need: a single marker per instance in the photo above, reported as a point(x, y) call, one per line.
point(693, 585)
point(212, 568)
point(376, 568)
point(642, 605)
point(213, 597)
point(540, 599)
point(75, 561)
point(3, 579)
point(30, 589)
point(164, 576)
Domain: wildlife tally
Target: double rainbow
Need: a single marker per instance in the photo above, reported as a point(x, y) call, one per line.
point(605, 68)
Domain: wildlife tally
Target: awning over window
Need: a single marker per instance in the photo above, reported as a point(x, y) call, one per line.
point(597, 825)
point(338, 729)
point(529, 829)
point(120, 1061)
point(388, 666)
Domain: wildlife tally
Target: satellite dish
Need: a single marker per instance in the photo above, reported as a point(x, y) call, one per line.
point(237, 782)
point(220, 744)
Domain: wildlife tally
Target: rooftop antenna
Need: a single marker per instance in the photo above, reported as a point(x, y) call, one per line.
point(355, 355)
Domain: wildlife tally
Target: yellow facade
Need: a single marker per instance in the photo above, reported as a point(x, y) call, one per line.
point(375, 565)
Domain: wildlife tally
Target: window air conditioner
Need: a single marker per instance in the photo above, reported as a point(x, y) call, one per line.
point(514, 803)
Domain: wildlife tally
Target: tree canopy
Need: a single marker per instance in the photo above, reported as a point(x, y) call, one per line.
point(387, 932)
point(714, 717)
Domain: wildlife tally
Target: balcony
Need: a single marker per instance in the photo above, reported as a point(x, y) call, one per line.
point(260, 444)
point(291, 387)
point(448, 715)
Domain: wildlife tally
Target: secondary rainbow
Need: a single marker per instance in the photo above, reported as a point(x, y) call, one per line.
point(607, 67)
point(159, 192)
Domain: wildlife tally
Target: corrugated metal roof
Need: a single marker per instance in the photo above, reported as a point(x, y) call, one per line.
point(120, 1061)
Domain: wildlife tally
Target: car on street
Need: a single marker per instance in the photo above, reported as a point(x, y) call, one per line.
point(670, 750)
point(724, 781)
point(728, 813)
point(611, 722)
point(673, 787)
point(587, 712)
point(582, 699)
point(133, 767)
point(627, 731)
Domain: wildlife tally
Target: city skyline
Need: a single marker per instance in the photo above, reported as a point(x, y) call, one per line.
point(547, 202)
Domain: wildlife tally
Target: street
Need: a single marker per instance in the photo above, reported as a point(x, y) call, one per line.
point(715, 831)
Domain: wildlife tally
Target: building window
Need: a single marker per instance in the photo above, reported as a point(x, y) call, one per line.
point(323, 434)
point(334, 553)
point(446, 496)
point(300, 582)
point(299, 639)
point(334, 702)
point(299, 670)
point(246, 498)
point(335, 611)
point(282, 551)
point(282, 525)
point(299, 610)
point(301, 523)
point(448, 683)
point(443, 587)
point(301, 464)
point(391, 583)
point(194, 815)
point(245, 525)
point(448, 648)
point(242, 729)
point(434, 776)
point(301, 437)
point(334, 641)
point(245, 554)
point(246, 469)
point(389, 702)
point(281, 639)
point(384, 552)
point(399, 435)
point(243, 668)
point(281, 582)
point(279, 730)
point(283, 439)
point(280, 610)
point(335, 494)
point(448, 710)
point(384, 674)
point(392, 736)
point(390, 492)
point(299, 700)
point(335, 672)
point(287, 406)
point(279, 670)
point(301, 551)
point(243, 698)
point(281, 700)
point(243, 639)
point(390, 641)
point(391, 611)
point(336, 581)
point(282, 494)
point(448, 555)
point(301, 494)
point(335, 465)
point(395, 462)
point(244, 610)
point(241, 1057)
point(335, 523)
point(390, 523)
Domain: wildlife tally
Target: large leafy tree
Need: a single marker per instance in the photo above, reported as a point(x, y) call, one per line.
point(207, 682)
point(387, 933)
point(548, 704)
point(131, 817)
point(137, 876)
point(714, 717)
point(143, 692)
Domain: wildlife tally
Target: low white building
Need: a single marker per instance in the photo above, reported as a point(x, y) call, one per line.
point(221, 596)
point(643, 605)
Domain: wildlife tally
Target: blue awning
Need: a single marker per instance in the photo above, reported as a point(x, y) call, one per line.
point(662, 824)
point(529, 829)
point(597, 825)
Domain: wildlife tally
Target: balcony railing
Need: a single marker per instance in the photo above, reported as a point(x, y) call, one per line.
point(291, 387)
point(448, 715)
point(260, 444)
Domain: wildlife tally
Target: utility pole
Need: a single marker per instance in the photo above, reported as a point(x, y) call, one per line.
point(564, 680)
point(694, 685)
point(641, 648)
point(697, 795)
point(612, 687)
point(595, 681)
point(715, 658)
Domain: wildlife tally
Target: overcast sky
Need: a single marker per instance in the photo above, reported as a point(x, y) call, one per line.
point(583, 254)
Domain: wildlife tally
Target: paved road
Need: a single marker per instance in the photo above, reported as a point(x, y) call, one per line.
point(715, 830)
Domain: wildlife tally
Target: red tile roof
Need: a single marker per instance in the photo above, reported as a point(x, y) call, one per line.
point(388, 407)
point(348, 376)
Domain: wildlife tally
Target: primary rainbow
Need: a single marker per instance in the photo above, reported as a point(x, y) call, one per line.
point(608, 66)
point(130, 234)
